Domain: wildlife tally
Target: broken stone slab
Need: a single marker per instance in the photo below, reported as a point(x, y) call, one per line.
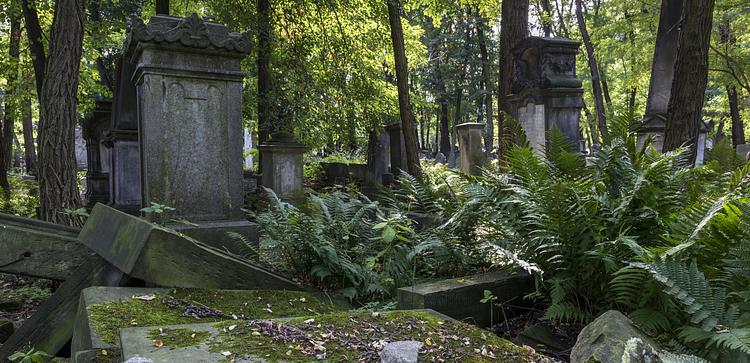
point(102, 311)
point(401, 352)
point(166, 258)
point(605, 338)
point(39, 249)
point(51, 327)
point(231, 236)
point(334, 337)
point(460, 298)
point(6, 330)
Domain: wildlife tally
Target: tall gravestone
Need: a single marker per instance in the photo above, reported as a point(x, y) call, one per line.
point(122, 144)
point(282, 161)
point(662, 74)
point(95, 128)
point(189, 95)
point(470, 144)
point(546, 92)
point(397, 149)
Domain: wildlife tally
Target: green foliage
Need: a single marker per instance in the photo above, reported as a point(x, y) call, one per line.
point(160, 211)
point(31, 356)
point(24, 196)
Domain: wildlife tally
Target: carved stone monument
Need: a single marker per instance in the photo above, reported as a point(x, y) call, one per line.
point(470, 143)
point(546, 92)
point(282, 162)
point(95, 127)
point(189, 95)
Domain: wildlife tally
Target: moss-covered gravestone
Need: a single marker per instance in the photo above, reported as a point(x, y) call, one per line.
point(333, 337)
point(103, 311)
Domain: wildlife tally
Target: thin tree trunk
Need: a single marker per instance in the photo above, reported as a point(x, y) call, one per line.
point(402, 82)
point(9, 117)
point(28, 137)
point(36, 45)
point(443, 121)
point(690, 76)
point(595, 82)
point(546, 24)
point(58, 182)
point(162, 7)
point(738, 128)
point(631, 101)
point(489, 133)
point(513, 28)
point(264, 71)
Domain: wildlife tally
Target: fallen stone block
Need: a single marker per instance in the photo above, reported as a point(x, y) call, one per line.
point(103, 311)
point(333, 337)
point(460, 298)
point(166, 258)
point(604, 339)
point(39, 249)
point(239, 238)
point(51, 327)
point(6, 330)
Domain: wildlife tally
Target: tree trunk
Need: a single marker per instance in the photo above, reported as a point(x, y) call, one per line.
point(402, 82)
point(264, 72)
point(36, 45)
point(489, 133)
point(738, 128)
point(9, 117)
point(513, 28)
point(162, 7)
point(58, 181)
point(28, 137)
point(442, 127)
point(690, 75)
point(546, 23)
point(595, 82)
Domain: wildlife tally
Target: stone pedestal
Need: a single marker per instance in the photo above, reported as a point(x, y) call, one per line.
point(122, 144)
point(470, 144)
point(189, 95)
point(652, 128)
point(282, 162)
point(743, 150)
point(397, 148)
point(95, 128)
point(546, 92)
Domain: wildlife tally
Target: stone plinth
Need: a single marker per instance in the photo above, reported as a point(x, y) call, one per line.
point(652, 129)
point(282, 162)
point(470, 143)
point(95, 129)
point(460, 298)
point(189, 95)
point(546, 92)
point(397, 148)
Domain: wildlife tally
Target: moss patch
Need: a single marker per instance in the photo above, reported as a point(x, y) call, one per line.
point(177, 338)
point(186, 306)
point(355, 337)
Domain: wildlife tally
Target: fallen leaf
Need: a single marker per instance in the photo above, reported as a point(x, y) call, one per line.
point(428, 342)
point(104, 352)
point(145, 297)
point(158, 343)
point(226, 353)
point(231, 327)
point(309, 321)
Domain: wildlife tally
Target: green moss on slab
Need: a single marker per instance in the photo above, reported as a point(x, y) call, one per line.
point(186, 306)
point(354, 337)
point(177, 338)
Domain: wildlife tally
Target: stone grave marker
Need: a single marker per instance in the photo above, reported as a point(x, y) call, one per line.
point(397, 149)
point(470, 143)
point(281, 158)
point(95, 127)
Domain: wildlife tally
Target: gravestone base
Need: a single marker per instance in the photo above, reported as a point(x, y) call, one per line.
point(282, 163)
point(224, 235)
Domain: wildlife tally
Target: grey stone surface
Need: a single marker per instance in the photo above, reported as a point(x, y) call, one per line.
point(440, 158)
point(470, 142)
point(460, 298)
point(401, 352)
point(336, 173)
point(742, 151)
point(605, 338)
point(95, 128)
point(80, 144)
point(224, 235)
point(165, 258)
point(397, 149)
point(546, 92)
point(282, 162)
point(189, 90)
point(6, 330)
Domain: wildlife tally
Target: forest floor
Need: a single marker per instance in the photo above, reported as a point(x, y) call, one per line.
point(21, 296)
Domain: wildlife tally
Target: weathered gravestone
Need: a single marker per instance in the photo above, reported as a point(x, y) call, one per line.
point(95, 128)
point(281, 158)
point(470, 143)
point(546, 93)
point(742, 151)
point(165, 258)
point(80, 149)
point(397, 148)
point(460, 298)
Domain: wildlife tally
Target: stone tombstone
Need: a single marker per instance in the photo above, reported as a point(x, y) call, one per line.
point(742, 151)
point(189, 96)
point(95, 128)
point(122, 144)
point(470, 142)
point(283, 164)
point(546, 92)
point(81, 152)
point(662, 73)
point(397, 148)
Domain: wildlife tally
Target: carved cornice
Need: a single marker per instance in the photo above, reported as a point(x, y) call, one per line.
point(191, 32)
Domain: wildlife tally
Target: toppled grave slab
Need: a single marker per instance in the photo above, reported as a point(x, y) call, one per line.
point(166, 258)
point(39, 249)
point(103, 311)
point(461, 298)
point(335, 337)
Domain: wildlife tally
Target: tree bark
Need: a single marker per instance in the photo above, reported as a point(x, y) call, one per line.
point(9, 117)
point(513, 28)
point(690, 76)
point(264, 72)
point(36, 45)
point(402, 82)
point(738, 128)
point(28, 137)
point(546, 11)
point(58, 181)
point(595, 81)
point(162, 7)
point(489, 131)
